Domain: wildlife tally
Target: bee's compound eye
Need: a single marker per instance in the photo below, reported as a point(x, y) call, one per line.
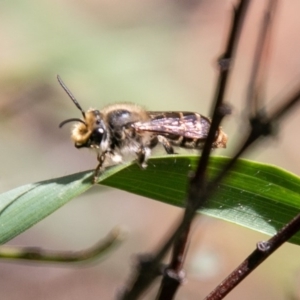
point(97, 136)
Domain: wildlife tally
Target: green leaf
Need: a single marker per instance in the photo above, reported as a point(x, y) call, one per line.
point(254, 195)
point(24, 206)
point(257, 196)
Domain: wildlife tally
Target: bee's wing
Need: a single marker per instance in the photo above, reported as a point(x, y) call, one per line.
point(176, 124)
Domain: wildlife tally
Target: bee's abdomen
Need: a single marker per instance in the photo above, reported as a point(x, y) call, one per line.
point(184, 142)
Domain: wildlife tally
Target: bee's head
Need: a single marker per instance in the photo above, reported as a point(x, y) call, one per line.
point(90, 132)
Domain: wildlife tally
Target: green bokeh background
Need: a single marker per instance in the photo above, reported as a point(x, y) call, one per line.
point(161, 55)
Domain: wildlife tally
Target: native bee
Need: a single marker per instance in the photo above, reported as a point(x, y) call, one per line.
point(124, 129)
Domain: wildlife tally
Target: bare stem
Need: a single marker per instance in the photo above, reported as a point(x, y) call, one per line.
point(263, 250)
point(42, 255)
point(255, 97)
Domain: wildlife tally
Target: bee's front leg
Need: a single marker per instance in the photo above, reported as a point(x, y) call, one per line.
point(101, 158)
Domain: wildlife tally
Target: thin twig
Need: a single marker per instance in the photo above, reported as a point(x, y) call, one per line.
point(225, 65)
point(255, 97)
point(263, 250)
point(174, 275)
point(42, 255)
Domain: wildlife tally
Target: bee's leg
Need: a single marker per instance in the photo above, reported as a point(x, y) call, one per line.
point(168, 147)
point(101, 158)
point(142, 155)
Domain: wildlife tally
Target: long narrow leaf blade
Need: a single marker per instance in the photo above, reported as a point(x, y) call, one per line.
point(258, 196)
point(254, 195)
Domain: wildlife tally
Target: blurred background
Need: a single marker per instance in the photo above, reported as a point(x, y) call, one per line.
point(161, 55)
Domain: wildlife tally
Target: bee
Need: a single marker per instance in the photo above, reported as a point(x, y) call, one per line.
point(124, 129)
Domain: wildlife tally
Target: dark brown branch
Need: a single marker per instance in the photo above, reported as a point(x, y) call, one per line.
point(173, 275)
point(261, 253)
point(255, 95)
point(197, 195)
point(282, 110)
point(225, 65)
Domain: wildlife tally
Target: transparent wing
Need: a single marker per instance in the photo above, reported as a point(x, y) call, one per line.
point(173, 125)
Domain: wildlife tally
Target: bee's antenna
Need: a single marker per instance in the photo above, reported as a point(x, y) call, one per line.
point(71, 120)
point(70, 95)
